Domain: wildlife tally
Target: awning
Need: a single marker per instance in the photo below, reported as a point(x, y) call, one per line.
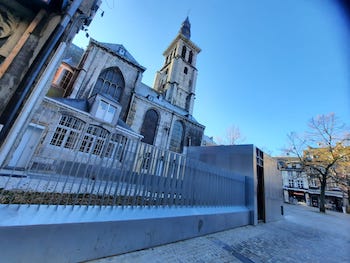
point(296, 193)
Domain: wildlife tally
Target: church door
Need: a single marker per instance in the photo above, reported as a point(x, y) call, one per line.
point(26, 147)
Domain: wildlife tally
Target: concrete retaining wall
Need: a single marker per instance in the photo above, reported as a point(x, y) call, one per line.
point(73, 234)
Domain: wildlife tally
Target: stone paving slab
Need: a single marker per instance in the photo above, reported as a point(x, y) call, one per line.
point(304, 235)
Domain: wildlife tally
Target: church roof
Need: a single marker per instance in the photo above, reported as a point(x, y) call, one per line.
point(73, 55)
point(119, 50)
point(79, 104)
point(150, 94)
point(122, 124)
point(185, 35)
point(186, 28)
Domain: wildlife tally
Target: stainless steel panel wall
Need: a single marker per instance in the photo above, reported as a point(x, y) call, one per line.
point(273, 190)
point(241, 161)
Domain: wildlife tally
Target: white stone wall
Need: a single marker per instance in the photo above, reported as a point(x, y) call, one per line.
point(167, 117)
point(293, 175)
point(179, 86)
point(98, 59)
point(141, 105)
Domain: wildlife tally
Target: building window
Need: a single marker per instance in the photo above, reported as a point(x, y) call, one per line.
point(183, 53)
point(111, 82)
point(291, 183)
point(313, 182)
point(67, 132)
point(61, 83)
point(146, 161)
point(190, 57)
point(185, 70)
point(116, 147)
point(62, 77)
point(300, 183)
point(149, 126)
point(94, 140)
point(105, 111)
point(72, 139)
point(188, 102)
point(176, 140)
point(66, 78)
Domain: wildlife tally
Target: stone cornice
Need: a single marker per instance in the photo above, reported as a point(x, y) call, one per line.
point(186, 40)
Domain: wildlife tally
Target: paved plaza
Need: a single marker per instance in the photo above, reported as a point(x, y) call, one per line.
point(304, 235)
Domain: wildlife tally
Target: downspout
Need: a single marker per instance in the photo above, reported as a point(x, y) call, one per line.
point(10, 120)
point(30, 103)
point(13, 108)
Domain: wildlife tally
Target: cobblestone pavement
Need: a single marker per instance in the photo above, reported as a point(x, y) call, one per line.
point(304, 235)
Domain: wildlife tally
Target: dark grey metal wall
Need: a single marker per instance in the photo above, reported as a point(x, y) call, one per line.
point(241, 159)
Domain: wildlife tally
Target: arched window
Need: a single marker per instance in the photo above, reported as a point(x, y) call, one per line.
point(188, 102)
point(183, 53)
point(190, 57)
point(149, 126)
point(62, 77)
point(67, 132)
point(185, 70)
point(94, 140)
point(111, 82)
point(116, 146)
point(176, 140)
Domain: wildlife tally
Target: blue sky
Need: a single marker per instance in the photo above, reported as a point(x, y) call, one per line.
point(266, 67)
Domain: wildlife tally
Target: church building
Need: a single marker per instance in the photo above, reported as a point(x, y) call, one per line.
point(97, 102)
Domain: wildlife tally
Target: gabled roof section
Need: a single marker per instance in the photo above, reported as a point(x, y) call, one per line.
point(153, 96)
point(79, 104)
point(73, 55)
point(120, 51)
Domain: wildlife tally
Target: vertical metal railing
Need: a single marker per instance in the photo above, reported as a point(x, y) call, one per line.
point(142, 175)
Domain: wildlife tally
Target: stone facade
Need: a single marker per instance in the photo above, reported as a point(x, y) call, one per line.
point(34, 36)
point(176, 80)
point(104, 92)
point(98, 57)
point(27, 30)
point(171, 98)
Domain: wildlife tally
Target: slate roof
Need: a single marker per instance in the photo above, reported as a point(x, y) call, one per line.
point(73, 55)
point(119, 50)
point(149, 93)
point(124, 125)
point(79, 104)
point(186, 28)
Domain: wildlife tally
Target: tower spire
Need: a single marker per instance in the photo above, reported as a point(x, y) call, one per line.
point(186, 28)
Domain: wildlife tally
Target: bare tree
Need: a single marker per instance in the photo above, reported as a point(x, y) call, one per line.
point(232, 136)
point(323, 152)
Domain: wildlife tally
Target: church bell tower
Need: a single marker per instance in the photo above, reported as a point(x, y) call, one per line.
point(176, 80)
